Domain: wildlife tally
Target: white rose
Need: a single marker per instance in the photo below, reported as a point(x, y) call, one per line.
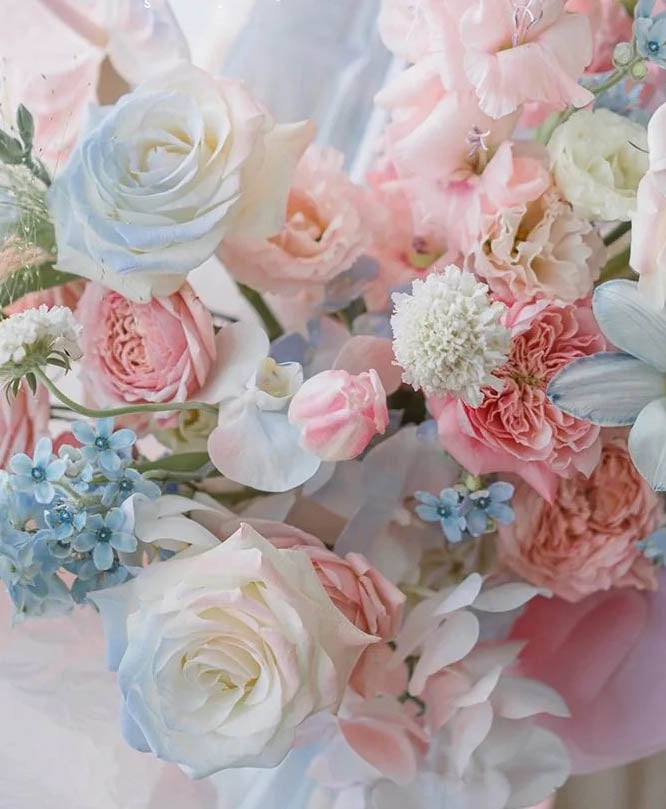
point(598, 159)
point(158, 180)
point(222, 655)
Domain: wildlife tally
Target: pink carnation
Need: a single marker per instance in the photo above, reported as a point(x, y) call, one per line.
point(539, 249)
point(327, 229)
point(518, 429)
point(585, 541)
point(23, 420)
point(339, 413)
point(160, 351)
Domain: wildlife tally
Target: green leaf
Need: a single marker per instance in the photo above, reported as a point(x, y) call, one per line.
point(33, 279)
point(32, 382)
point(26, 127)
point(189, 462)
point(11, 150)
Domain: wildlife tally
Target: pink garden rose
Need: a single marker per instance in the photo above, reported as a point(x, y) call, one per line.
point(23, 420)
point(160, 351)
point(339, 413)
point(518, 429)
point(539, 249)
point(585, 540)
point(327, 229)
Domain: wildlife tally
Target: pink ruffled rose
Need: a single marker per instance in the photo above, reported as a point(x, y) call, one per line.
point(22, 422)
point(518, 429)
point(160, 351)
point(585, 541)
point(326, 230)
point(539, 249)
point(339, 413)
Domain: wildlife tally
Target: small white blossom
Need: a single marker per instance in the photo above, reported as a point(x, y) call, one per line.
point(448, 336)
point(32, 337)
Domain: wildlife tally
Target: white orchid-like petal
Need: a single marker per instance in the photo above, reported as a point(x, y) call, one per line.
point(480, 691)
point(508, 597)
point(470, 728)
point(520, 697)
point(630, 323)
point(241, 347)
point(647, 444)
point(259, 448)
point(609, 389)
point(446, 645)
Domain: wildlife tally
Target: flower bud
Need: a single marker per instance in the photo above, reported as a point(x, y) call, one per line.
point(339, 413)
point(623, 54)
point(639, 71)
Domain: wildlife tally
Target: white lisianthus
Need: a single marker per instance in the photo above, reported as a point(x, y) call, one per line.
point(222, 655)
point(598, 159)
point(162, 177)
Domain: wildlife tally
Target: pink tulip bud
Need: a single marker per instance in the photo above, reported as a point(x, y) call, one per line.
point(339, 413)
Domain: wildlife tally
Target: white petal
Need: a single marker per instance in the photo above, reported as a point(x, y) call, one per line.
point(240, 349)
point(628, 321)
point(470, 727)
point(609, 389)
point(481, 689)
point(507, 597)
point(463, 596)
point(519, 697)
point(446, 645)
point(647, 444)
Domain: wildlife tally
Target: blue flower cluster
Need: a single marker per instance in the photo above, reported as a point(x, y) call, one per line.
point(62, 514)
point(464, 513)
point(650, 33)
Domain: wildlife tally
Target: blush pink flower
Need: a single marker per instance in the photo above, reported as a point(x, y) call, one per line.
point(539, 249)
point(339, 413)
point(160, 351)
point(326, 230)
point(23, 420)
point(585, 540)
point(518, 429)
point(610, 22)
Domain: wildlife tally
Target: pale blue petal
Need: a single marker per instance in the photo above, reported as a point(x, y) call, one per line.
point(43, 452)
point(647, 444)
point(122, 439)
point(104, 427)
point(630, 322)
point(428, 513)
point(501, 491)
point(477, 522)
point(114, 519)
point(449, 498)
point(21, 464)
point(83, 432)
point(44, 492)
point(425, 497)
point(84, 542)
point(103, 556)
point(451, 529)
point(55, 470)
point(109, 460)
point(23, 483)
point(609, 389)
point(502, 513)
point(122, 541)
point(95, 522)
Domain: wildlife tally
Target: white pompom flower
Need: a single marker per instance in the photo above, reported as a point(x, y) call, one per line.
point(38, 337)
point(448, 336)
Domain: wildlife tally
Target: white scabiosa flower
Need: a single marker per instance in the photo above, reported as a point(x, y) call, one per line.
point(38, 337)
point(448, 337)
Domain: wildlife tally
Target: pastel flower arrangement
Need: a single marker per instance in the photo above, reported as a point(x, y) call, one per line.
point(372, 528)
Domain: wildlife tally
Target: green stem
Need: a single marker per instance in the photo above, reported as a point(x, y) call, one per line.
point(617, 267)
point(272, 324)
point(617, 233)
point(118, 411)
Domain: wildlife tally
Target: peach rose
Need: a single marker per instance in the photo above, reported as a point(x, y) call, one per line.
point(585, 541)
point(539, 249)
point(518, 429)
point(326, 230)
point(160, 351)
point(23, 420)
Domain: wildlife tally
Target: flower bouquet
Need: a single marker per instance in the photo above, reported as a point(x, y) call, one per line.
point(381, 525)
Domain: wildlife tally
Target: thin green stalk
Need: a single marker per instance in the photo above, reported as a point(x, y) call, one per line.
point(272, 324)
point(617, 233)
point(617, 267)
point(118, 411)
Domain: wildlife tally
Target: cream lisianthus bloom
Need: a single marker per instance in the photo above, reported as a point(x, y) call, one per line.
point(222, 655)
point(162, 177)
point(598, 159)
